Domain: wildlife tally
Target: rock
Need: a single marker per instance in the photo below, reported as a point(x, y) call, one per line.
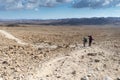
point(41, 52)
point(97, 60)
point(53, 46)
point(92, 54)
point(58, 76)
point(47, 75)
point(72, 46)
point(39, 49)
point(89, 75)
point(105, 66)
point(60, 46)
point(66, 46)
point(10, 48)
point(74, 73)
point(116, 69)
point(118, 78)
point(4, 62)
point(82, 56)
point(36, 57)
point(1, 78)
point(85, 78)
point(107, 78)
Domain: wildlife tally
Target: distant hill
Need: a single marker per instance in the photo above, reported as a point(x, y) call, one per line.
point(85, 21)
point(69, 21)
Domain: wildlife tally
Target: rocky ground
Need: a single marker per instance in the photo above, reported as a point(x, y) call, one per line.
point(56, 53)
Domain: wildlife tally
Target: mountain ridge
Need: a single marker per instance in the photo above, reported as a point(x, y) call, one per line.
point(66, 21)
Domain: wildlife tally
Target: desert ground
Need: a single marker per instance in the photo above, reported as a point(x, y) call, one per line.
point(42, 52)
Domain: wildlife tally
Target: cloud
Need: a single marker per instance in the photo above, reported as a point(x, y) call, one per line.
point(95, 3)
point(35, 4)
point(29, 4)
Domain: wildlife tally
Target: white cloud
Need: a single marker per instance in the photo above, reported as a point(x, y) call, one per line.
point(118, 5)
point(107, 2)
point(96, 3)
point(33, 4)
point(29, 4)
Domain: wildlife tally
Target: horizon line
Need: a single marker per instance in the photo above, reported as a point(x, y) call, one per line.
point(59, 18)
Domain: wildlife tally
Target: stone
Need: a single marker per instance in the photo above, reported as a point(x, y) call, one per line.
point(118, 78)
point(58, 76)
point(4, 62)
point(1, 78)
point(74, 73)
point(85, 78)
point(92, 54)
point(107, 78)
point(97, 60)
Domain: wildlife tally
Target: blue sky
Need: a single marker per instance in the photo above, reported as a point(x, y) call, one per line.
point(57, 9)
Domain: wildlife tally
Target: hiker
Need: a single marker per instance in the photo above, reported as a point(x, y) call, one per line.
point(90, 38)
point(84, 41)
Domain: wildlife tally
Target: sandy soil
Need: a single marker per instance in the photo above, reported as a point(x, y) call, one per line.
point(56, 53)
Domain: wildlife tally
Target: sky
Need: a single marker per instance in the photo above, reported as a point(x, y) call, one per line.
point(58, 9)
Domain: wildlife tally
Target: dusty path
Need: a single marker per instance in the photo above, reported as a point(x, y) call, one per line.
point(10, 36)
point(83, 64)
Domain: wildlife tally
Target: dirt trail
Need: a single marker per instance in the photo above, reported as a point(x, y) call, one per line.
point(78, 65)
point(40, 45)
point(10, 36)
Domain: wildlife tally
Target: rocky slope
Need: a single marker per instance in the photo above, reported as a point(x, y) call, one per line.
point(48, 61)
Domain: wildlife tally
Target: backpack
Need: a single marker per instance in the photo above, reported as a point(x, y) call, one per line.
point(85, 40)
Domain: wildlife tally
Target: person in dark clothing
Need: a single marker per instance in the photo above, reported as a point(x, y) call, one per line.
point(84, 41)
point(90, 38)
